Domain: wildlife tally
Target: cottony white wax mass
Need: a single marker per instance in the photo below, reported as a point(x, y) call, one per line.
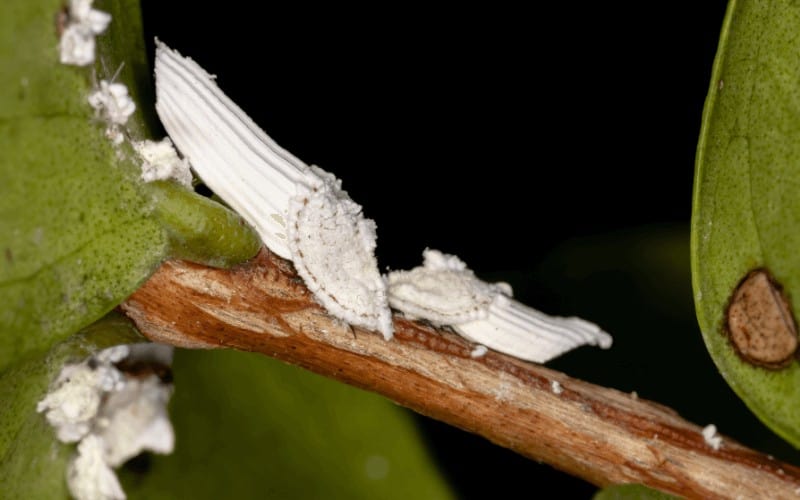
point(77, 44)
point(160, 162)
point(89, 477)
point(112, 416)
point(112, 104)
point(300, 211)
point(445, 292)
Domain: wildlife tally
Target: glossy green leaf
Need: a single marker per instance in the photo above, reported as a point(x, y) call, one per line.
point(631, 492)
point(79, 231)
point(32, 461)
point(251, 427)
point(746, 208)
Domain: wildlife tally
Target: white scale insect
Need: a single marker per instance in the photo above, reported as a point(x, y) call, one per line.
point(302, 214)
point(445, 292)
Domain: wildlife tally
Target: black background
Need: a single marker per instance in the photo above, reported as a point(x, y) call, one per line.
point(435, 118)
point(500, 134)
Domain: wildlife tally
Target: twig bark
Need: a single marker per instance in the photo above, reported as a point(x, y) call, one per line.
point(600, 434)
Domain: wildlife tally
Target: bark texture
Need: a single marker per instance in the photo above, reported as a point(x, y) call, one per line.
point(600, 434)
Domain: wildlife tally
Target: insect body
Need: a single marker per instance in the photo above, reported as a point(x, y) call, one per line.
point(300, 211)
point(444, 291)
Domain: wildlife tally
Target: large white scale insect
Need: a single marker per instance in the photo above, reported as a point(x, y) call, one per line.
point(302, 214)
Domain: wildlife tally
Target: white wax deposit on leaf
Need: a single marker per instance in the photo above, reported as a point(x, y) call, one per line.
point(135, 419)
point(479, 351)
point(160, 162)
point(89, 477)
point(114, 416)
point(112, 102)
point(113, 105)
point(72, 404)
point(77, 45)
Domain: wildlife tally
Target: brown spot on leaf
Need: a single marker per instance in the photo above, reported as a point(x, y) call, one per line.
point(760, 323)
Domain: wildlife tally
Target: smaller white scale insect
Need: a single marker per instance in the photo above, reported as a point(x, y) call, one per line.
point(445, 292)
point(302, 214)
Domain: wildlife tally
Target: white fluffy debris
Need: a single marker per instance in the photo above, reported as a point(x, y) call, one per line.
point(134, 420)
point(77, 45)
point(112, 414)
point(444, 291)
point(555, 387)
point(711, 437)
point(113, 105)
point(160, 162)
point(113, 354)
point(300, 212)
point(74, 400)
point(110, 100)
point(479, 351)
point(89, 476)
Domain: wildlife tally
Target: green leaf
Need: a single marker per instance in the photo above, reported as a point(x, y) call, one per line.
point(79, 231)
point(746, 208)
point(631, 492)
point(32, 461)
point(250, 427)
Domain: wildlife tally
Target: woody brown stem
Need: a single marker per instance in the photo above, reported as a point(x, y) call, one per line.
point(600, 434)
